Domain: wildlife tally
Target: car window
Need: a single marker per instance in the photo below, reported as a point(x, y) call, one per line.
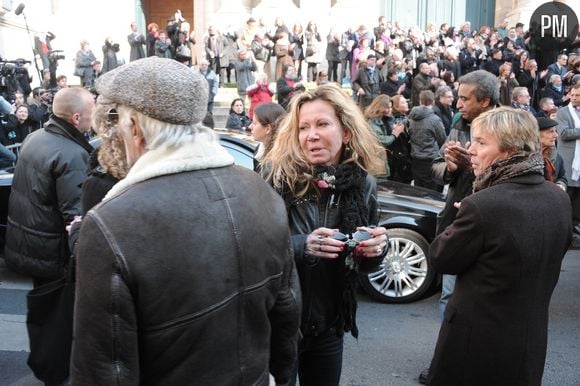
point(240, 158)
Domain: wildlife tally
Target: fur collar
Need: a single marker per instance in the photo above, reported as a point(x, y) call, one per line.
point(202, 152)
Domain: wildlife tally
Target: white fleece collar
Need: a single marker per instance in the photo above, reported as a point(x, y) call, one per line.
point(204, 152)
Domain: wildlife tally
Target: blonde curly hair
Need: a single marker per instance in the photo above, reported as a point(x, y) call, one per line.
point(287, 163)
point(112, 156)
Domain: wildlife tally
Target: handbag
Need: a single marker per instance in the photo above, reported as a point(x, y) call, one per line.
point(50, 328)
point(79, 71)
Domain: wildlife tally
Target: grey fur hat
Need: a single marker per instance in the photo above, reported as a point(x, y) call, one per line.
point(160, 88)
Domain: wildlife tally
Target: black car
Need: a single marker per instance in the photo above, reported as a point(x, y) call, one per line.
point(408, 213)
point(410, 216)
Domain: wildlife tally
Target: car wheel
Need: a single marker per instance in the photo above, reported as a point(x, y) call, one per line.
point(404, 275)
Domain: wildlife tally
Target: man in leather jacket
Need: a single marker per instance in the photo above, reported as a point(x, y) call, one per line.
point(185, 270)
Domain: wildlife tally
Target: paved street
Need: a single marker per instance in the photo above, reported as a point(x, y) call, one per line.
point(395, 343)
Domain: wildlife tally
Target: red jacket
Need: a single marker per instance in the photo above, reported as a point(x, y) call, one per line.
point(258, 94)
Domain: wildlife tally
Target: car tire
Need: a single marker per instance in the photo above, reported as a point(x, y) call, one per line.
point(404, 275)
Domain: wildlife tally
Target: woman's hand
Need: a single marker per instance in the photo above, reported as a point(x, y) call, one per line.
point(321, 244)
point(376, 246)
point(398, 129)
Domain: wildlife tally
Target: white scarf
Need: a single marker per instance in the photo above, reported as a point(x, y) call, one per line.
point(203, 152)
point(576, 160)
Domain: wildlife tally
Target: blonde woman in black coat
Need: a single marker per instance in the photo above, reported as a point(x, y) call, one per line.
point(506, 247)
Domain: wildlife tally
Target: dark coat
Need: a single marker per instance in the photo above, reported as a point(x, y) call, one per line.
point(506, 247)
point(38, 113)
point(468, 62)
point(420, 82)
point(445, 114)
point(85, 60)
point(551, 92)
point(369, 82)
point(45, 197)
point(426, 133)
point(186, 293)
point(390, 87)
point(533, 84)
point(136, 41)
point(14, 131)
point(460, 181)
point(285, 90)
point(319, 278)
point(238, 121)
point(109, 57)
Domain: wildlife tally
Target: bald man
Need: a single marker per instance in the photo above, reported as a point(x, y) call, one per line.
point(46, 188)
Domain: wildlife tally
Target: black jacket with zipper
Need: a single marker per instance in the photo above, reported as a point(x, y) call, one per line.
point(45, 197)
point(319, 278)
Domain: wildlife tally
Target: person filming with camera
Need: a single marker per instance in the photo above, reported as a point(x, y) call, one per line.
point(40, 106)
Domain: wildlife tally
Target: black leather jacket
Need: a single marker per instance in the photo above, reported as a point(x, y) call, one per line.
point(319, 278)
point(186, 279)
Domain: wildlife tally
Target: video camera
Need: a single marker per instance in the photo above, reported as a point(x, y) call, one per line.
point(10, 68)
point(55, 55)
point(14, 77)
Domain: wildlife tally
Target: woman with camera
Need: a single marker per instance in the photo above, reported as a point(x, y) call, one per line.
point(400, 149)
point(17, 127)
point(379, 116)
point(321, 163)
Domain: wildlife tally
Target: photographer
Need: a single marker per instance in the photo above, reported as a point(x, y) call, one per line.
point(110, 50)
point(40, 107)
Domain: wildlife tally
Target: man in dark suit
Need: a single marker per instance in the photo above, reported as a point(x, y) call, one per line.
point(559, 68)
point(568, 119)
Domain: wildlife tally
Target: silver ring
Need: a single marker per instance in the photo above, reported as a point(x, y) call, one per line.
point(379, 250)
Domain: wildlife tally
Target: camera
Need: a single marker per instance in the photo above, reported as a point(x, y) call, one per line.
point(55, 55)
point(401, 120)
point(14, 77)
point(9, 68)
point(352, 258)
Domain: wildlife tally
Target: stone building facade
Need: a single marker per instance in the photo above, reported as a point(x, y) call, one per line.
point(73, 20)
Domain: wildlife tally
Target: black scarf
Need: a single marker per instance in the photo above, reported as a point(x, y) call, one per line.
point(61, 127)
point(518, 164)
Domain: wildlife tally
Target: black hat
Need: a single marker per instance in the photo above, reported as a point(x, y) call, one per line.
point(546, 123)
point(371, 56)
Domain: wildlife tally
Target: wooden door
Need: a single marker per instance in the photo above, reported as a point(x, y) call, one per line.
point(157, 11)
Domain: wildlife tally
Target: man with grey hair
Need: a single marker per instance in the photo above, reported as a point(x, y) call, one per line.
point(555, 90)
point(173, 285)
point(521, 99)
point(478, 92)
point(443, 106)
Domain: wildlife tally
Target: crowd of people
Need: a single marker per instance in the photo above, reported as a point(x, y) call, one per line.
point(425, 108)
